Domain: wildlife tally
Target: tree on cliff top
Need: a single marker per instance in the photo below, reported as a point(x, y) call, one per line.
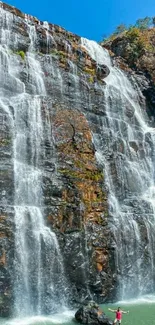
point(120, 29)
point(141, 25)
point(144, 23)
point(153, 21)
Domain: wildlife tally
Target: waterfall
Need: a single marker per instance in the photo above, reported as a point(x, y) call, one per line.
point(35, 89)
point(125, 149)
point(39, 279)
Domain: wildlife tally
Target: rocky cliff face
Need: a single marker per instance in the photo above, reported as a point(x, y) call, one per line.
point(76, 161)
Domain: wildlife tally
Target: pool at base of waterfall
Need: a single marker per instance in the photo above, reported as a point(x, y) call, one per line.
point(141, 311)
point(64, 317)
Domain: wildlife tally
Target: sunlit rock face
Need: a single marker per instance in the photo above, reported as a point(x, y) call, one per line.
point(136, 60)
point(77, 172)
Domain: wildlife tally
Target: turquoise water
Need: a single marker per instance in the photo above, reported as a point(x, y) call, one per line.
point(141, 312)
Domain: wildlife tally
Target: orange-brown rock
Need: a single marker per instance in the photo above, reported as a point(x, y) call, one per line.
point(3, 258)
point(78, 164)
point(134, 49)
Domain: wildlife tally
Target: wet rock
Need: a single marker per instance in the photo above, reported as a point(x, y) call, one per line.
point(129, 111)
point(133, 145)
point(102, 71)
point(92, 314)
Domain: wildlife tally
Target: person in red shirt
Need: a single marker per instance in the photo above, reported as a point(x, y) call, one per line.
point(119, 313)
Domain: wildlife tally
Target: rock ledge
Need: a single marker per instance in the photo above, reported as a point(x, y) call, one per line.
point(92, 314)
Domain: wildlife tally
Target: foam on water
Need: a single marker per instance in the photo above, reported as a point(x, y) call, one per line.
point(147, 299)
point(59, 318)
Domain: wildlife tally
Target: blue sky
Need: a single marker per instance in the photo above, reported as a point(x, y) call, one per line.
point(88, 18)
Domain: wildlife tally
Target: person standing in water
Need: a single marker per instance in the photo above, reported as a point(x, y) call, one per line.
point(119, 313)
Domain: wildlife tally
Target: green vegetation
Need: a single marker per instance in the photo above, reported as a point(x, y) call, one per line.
point(21, 53)
point(62, 56)
point(5, 142)
point(91, 79)
point(59, 53)
point(86, 174)
point(141, 24)
point(139, 43)
point(137, 40)
point(144, 23)
point(120, 29)
point(133, 33)
point(89, 71)
point(71, 37)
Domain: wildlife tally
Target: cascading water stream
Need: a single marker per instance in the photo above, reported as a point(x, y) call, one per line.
point(125, 148)
point(39, 281)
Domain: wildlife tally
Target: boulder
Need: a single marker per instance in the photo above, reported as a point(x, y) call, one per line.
point(92, 314)
point(102, 71)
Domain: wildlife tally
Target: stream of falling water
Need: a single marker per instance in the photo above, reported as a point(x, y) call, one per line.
point(39, 281)
point(125, 149)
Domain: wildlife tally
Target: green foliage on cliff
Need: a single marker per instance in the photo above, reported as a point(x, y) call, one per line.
point(133, 33)
point(141, 24)
point(137, 43)
point(144, 23)
point(89, 71)
point(120, 29)
point(136, 46)
point(21, 53)
point(5, 141)
point(97, 177)
point(58, 53)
